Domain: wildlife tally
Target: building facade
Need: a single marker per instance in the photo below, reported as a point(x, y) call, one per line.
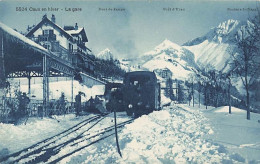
point(67, 43)
point(165, 73)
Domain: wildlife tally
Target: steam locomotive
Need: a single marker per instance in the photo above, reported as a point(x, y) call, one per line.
point(139, 94)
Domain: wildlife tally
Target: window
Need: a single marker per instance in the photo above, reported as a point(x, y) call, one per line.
point(50, 32)
point(47, 32)
point(70, 47)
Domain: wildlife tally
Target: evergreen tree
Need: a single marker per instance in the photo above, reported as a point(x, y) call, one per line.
point(108, 68)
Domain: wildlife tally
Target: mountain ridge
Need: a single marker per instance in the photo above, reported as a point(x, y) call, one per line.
point(167, 54)
point(105, 54)
point(215, 47)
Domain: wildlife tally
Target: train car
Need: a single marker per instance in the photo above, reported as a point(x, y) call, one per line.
point(114, 97)
point(141, 93)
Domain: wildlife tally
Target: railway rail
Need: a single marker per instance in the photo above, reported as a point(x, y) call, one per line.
point(48, 150)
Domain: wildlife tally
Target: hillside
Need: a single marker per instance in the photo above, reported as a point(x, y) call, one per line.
point(177, 59)
point(107, 66)
point(106, 54)
point(214, 48)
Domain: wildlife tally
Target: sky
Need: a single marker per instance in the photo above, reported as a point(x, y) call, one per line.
point(135, 27)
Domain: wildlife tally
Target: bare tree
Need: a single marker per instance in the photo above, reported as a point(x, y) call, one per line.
point(246, 58)
point(191, 81)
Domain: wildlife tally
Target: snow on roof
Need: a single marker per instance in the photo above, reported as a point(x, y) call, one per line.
point(61, 28)
point(19, 36)
point(71, 32)
point(52, 23)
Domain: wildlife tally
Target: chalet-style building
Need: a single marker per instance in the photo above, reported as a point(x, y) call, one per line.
point(68, 43)
point(164, 73)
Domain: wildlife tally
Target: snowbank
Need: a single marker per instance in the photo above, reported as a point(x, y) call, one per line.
point(173, 135)
point(225, 109)
point(56, 88)
point(14, 138)
point(176, 134)
point(236, 136)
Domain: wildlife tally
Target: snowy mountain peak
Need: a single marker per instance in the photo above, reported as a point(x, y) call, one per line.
point(227, 27)
point(166, 44)
point(223, 33)
point(167, 54)
point(107, 50)
point(214, 47)
point(106, 54)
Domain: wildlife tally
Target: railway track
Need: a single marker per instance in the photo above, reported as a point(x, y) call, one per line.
point(50, 148)
point(53, 138)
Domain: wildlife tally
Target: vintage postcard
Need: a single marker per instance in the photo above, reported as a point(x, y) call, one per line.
point(129, 81)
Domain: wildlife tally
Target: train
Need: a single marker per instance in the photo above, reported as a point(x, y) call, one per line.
point(139, 94)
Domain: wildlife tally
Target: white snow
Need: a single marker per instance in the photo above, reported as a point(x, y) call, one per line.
point(177, 59)
point(74, 31)
point(160, 62)
point(212, 53)
point(238, 136)
point(106, 54)
point(166, 44)
point(182, 134)
point(176, 134)
point(21, 37)
point(216, 47)
point(56, 88)
point(15, 138)
point(225, 110)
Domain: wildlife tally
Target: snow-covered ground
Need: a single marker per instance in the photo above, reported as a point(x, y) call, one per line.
point(177, 134)
point(15, 138)
point(239, 136)
point(58, 87)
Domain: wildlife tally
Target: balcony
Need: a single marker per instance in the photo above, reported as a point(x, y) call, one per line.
point(60, 51)
point(50, 43)
point(50, 37)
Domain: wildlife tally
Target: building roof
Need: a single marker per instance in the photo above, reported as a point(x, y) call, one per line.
point(20, 37)
point(77, 32)
point(166, 69)
point(46, 20)
point(69, 34)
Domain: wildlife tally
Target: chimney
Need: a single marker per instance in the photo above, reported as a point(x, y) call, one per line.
point(53, 18)
point(44, 16)
point(76, 26)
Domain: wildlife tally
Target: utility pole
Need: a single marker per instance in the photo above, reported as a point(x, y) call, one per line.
point(45, 84)
point(29, 84)
point(177, 86)
point(192, 94)
point(229, 95)
point(2, 62)
point(72, 91)
point(117, 144)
